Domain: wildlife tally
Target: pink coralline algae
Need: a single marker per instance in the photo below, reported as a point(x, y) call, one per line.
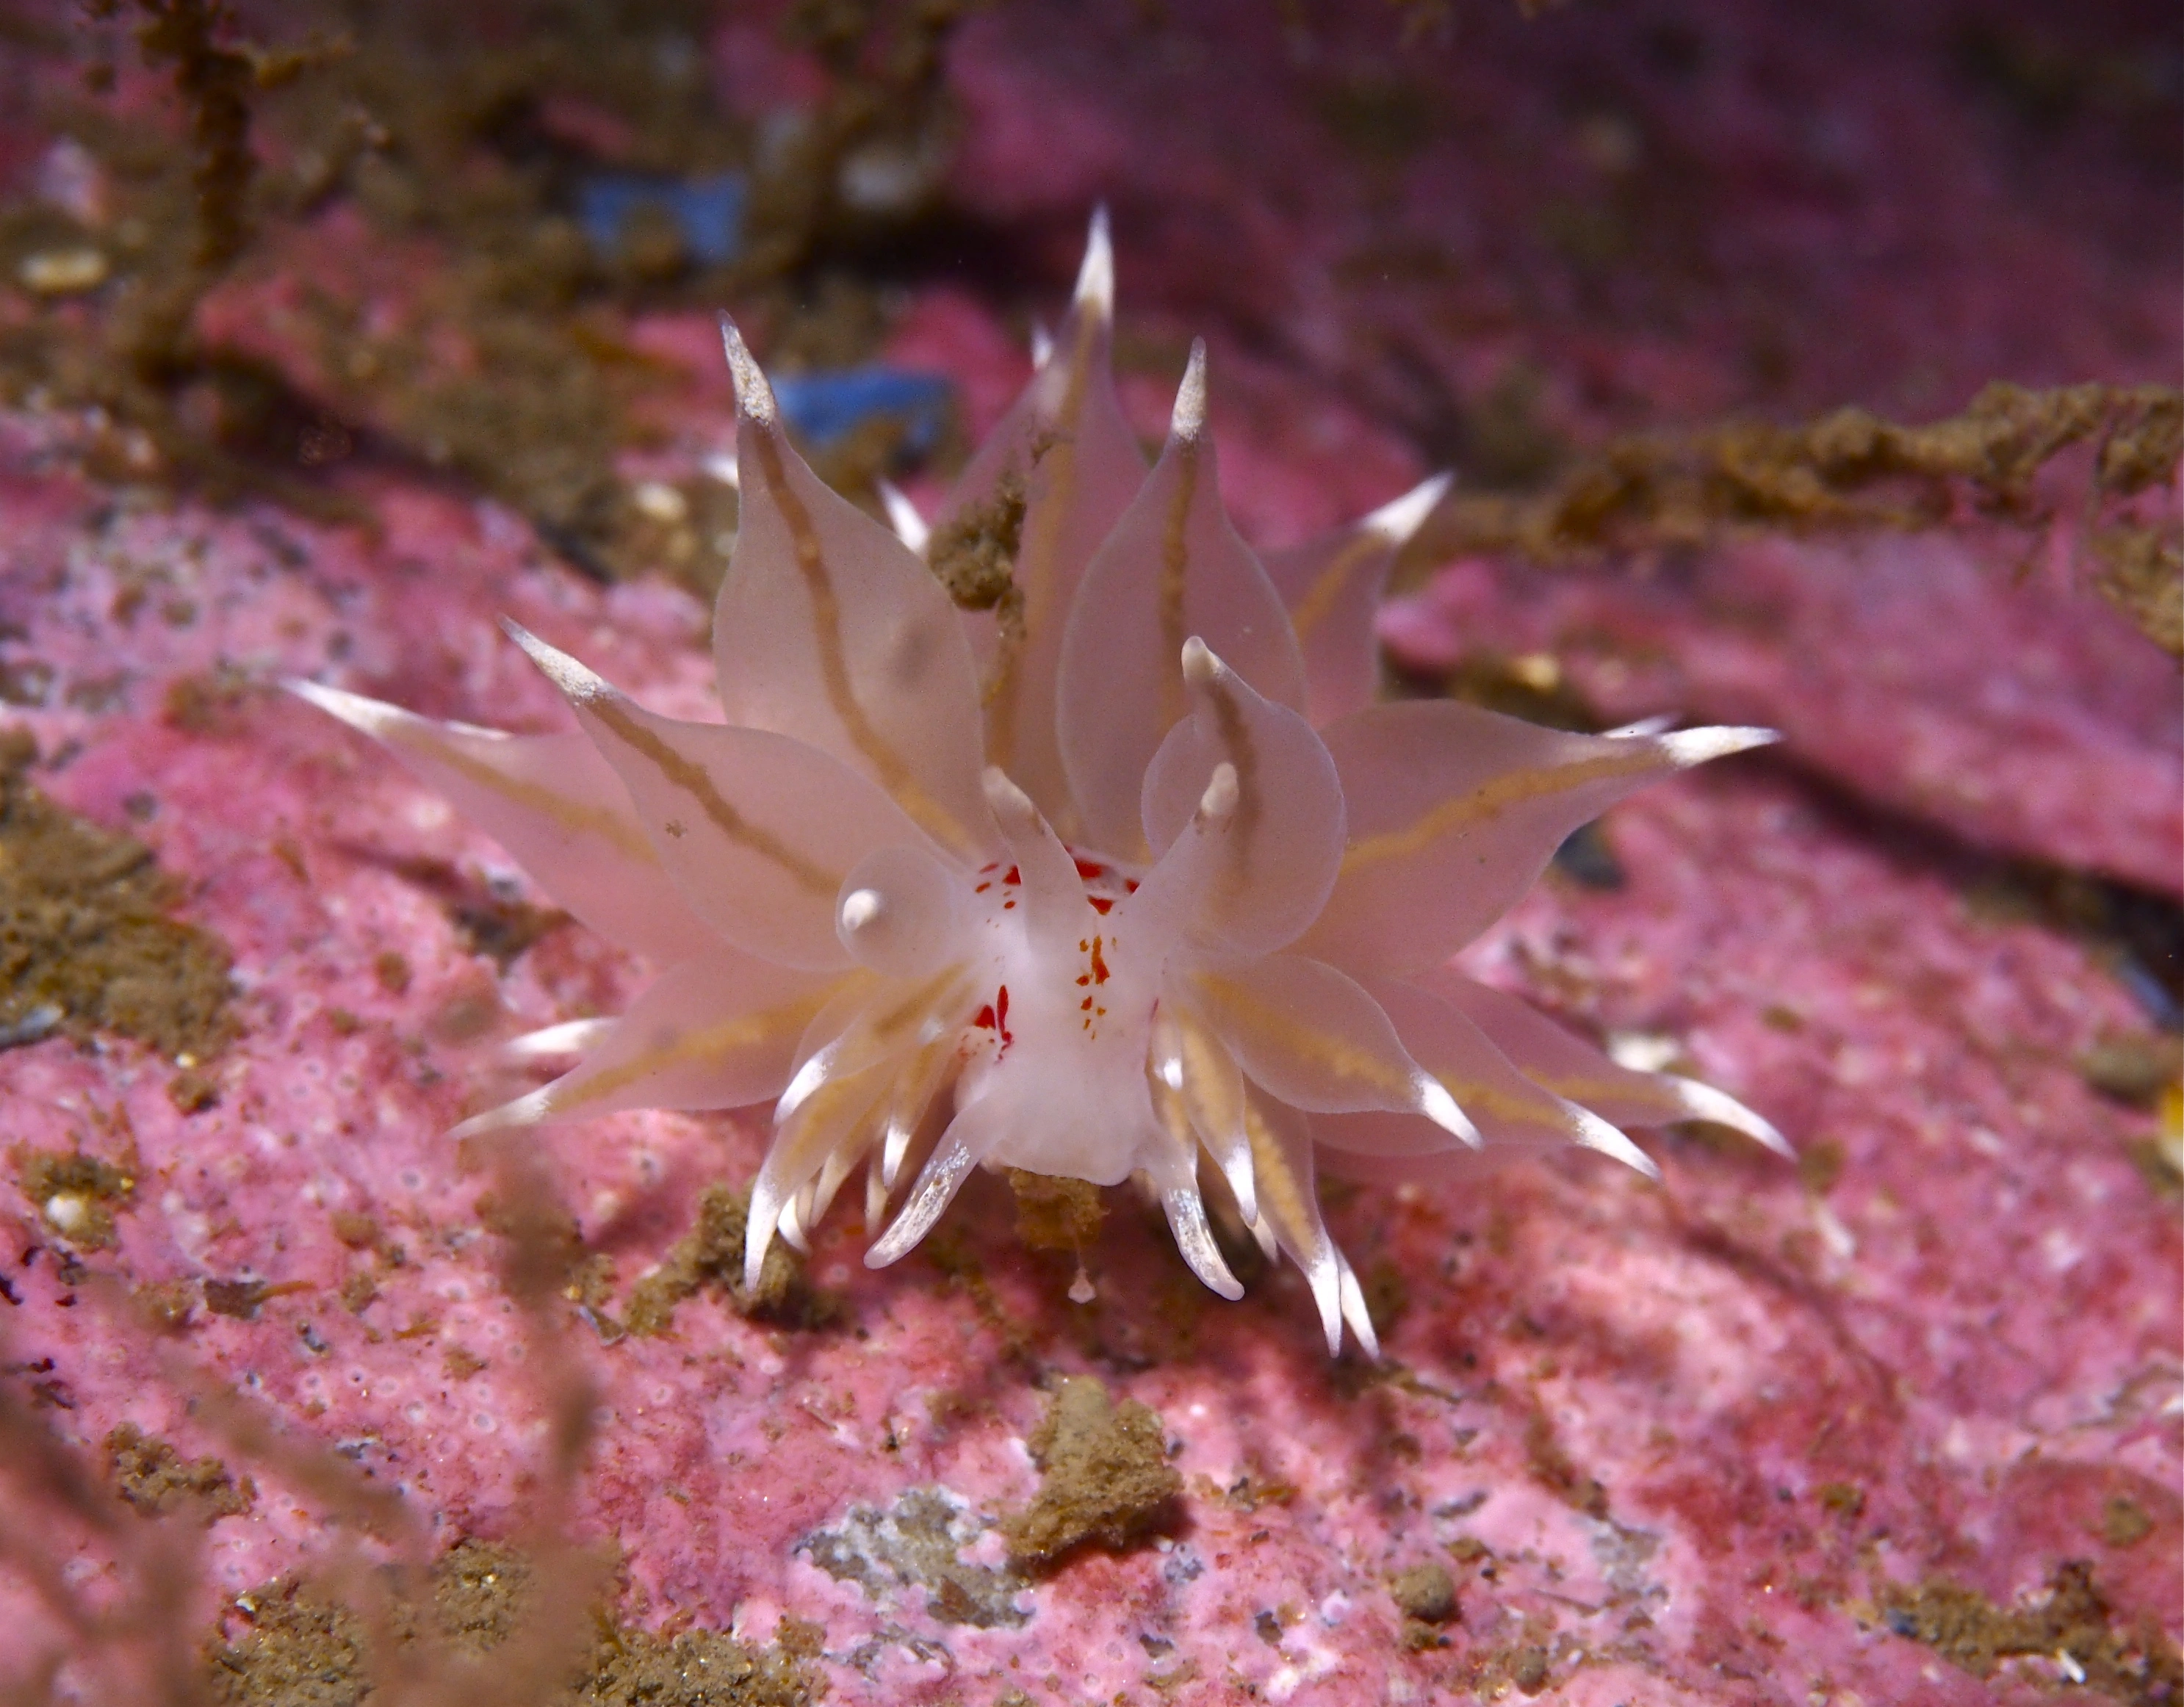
point(1236, 881)
point(1900, 1423)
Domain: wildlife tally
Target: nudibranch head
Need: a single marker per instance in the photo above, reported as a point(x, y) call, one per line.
point(1121, 877)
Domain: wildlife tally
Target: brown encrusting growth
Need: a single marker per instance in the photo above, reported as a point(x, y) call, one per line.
point(1054, 1212)
point(296, 1645)
point(1425, 1594)
point(236, 1299)
point(192, 1092)
point(87, 943)
point(711, 1254)
point(1553, 1468)
point(1853, 468)
point(2142, 574)
point(516, 370)
point(156, 1480)
point(2070, 1618)
point(1106, 1475)
point(974, 553)
point(76, 1195)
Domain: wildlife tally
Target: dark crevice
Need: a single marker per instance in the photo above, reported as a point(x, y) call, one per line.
point(2136, 933)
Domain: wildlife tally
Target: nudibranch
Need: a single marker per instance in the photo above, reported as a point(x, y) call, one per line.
point(1125, 876)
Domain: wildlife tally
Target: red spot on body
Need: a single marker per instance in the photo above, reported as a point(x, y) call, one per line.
point(983, 1019)
point(982, 889)
point(1086, 1004)
point(1012, 876)
point(1131, 884)
point(1001, 1017)
point(1100, 904)
point(1089, 868)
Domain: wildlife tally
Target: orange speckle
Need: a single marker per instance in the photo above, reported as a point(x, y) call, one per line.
point(1098, 966)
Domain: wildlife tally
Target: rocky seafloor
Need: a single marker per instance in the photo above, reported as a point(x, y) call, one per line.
point(303, 1403)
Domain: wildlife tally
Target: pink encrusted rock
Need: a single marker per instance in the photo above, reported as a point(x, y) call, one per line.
point(1932, 675)
point(1657, 219)
point(1665, 1436)
point(1709, 1441)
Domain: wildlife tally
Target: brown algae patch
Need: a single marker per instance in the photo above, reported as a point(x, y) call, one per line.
point(1425, 1594)
point(1107, 1477)
point(76, 1194)
point(152, 1478)
point(1853, 468)
point(296, 1644)
point(712, 1254)
point(2070, 1623)
point(510, 365)
point(973, 554)
point(87, 943)
point(1056, 1213)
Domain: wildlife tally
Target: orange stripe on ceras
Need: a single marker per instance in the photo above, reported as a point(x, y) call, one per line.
point(709, 1042)
point(1642, 1088)
point(1210, 1075)
point(1337, 1053)
point(1490, 800)
point(1320, 597)
point(573, 814)
point(1286, 1202)
point(1175, 578)
point(833, 1116)
point(894, 776)
point(1034, 571)
point(693, 780)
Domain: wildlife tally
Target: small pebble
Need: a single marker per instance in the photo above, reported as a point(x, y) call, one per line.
point(63, 272)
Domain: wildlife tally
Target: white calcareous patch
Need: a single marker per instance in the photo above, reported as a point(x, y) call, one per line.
point(1133, 880)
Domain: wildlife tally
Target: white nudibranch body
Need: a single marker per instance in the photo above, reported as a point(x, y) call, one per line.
point(1131, 880)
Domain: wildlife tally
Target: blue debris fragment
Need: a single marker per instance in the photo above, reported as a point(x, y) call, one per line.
point(708, 211)
point(826, 406)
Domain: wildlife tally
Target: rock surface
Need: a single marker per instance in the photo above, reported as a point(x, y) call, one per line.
point(1901, 1423)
